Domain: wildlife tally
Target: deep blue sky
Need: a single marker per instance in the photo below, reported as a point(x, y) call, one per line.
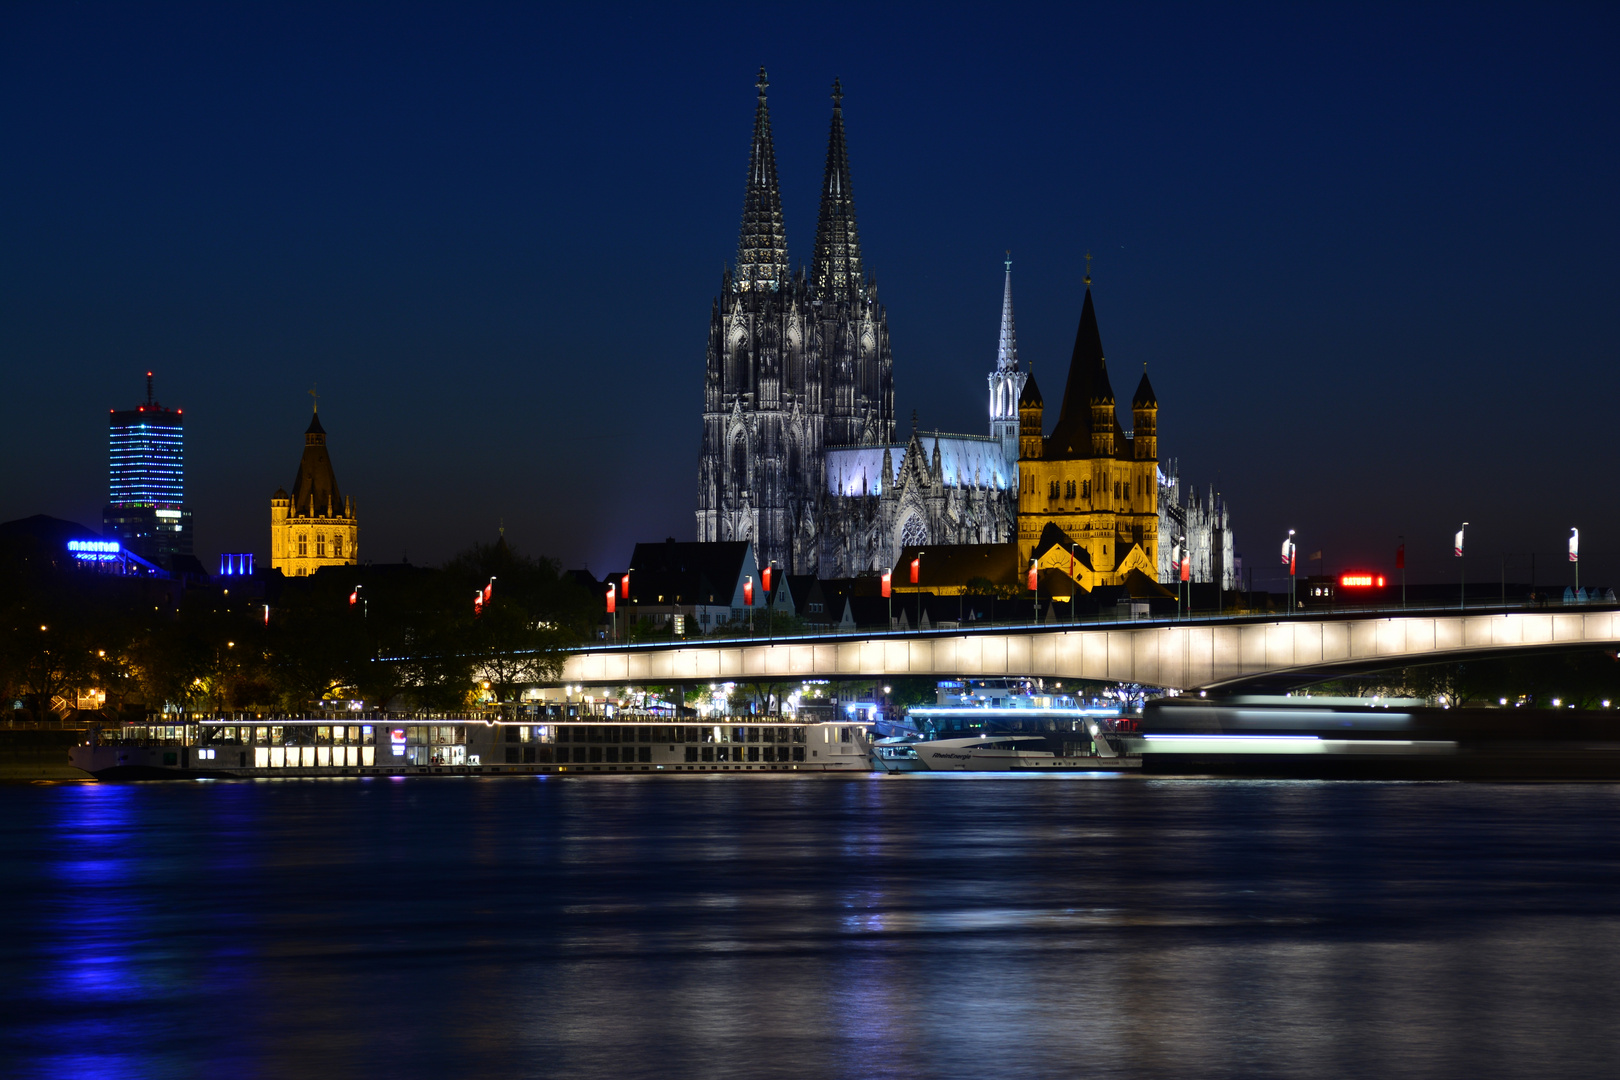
point(1369, 255)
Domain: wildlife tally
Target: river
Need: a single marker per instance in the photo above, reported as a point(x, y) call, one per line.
point(903, 926)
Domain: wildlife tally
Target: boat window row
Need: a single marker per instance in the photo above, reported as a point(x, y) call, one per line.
point(766, 754)
point(612, 734)
point(243, 734)
point(970, 724)
point(311, 757)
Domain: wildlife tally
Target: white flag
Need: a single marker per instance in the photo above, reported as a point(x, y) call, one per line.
point(1287, 552)
point(1457, 543)
point(1574, 545)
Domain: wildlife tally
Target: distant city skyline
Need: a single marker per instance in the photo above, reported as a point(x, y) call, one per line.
point(1366, 259)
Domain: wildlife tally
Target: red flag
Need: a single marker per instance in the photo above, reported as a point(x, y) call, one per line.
point(748, 591)
point(612, 595)
point(624, 586)
point(765, 577)
point(1291, 563)
point(1034, 578)
point(885, 583)
point(1400, 557)
point(488, 589)
point(916, 565)
point(1186, 568)
point(354, 598)
point(478, 602)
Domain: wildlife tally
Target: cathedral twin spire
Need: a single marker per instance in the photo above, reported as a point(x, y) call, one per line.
point(836, 268)
point(762, 259)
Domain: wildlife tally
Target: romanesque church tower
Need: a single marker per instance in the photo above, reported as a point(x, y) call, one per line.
point(796, 363)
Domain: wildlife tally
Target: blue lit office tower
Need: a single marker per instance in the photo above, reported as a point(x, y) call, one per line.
point(146, 485)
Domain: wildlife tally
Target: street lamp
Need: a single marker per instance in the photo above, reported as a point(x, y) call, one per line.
point(1074, 585)
point(1462, 568)
point(1288, 551)
point(770, 600)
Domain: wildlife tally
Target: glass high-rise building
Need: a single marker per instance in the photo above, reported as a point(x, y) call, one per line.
point(146, 485)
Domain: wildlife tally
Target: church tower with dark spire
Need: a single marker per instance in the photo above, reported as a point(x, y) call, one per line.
point(315, 526)
point(1091, 485)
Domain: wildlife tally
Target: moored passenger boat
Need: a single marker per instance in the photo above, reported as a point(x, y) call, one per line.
point(1022, 733)
point(379, 746)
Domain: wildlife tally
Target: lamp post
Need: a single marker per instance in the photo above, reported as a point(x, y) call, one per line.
point(1288, 553)
point(1074, 586)
point(888, 590)
point(1462, 568)
point(1400, 564)
point(770, 600)
point(916, 578)
point(1575, 557)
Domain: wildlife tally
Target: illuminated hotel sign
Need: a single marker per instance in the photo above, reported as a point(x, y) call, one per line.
point(1362, 581)
point(94, 550)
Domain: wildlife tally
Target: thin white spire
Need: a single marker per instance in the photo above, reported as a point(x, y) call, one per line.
point(1007, 350)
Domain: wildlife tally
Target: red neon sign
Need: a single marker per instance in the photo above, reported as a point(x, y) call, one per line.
point(1361, 581)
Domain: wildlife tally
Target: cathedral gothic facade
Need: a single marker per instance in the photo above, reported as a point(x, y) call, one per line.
point(799, 453)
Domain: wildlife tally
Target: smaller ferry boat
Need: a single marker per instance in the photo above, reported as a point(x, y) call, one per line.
point(1008, 726)
point(566, 740)
point(897, 753)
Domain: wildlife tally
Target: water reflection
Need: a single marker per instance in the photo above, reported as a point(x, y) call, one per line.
point(810, 928)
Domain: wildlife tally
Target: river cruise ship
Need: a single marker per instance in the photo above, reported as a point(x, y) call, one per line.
point(998, 726)
point(534, 744)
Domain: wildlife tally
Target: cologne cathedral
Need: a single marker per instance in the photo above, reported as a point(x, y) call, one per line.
point(799, 453)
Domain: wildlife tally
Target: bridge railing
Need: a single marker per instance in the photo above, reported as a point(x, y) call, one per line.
point(1108, 619)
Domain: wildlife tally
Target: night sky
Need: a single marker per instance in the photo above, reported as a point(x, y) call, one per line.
point(1369, 256)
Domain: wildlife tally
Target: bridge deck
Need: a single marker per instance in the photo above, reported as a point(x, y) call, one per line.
point(1184, 655)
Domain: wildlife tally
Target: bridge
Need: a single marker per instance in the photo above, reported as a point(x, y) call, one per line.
point(1186, 654)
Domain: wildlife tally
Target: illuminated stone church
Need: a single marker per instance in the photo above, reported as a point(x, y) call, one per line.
point(800, 455)
point(799, 452)
point(316, 525)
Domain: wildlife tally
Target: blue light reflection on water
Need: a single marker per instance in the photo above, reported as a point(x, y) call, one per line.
point(901, 926)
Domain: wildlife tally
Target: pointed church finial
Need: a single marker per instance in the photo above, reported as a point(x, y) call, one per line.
point(316, 403)
point(914, 421)
point(1007, 346)
point(762, 257)
point(835, 267)
point(1088, 268)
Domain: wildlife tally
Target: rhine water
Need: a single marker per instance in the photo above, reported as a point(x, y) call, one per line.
point(809, 927)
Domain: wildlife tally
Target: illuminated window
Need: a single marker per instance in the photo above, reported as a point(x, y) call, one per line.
point(320, 546)
point(337, 547)
point(303, 544)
